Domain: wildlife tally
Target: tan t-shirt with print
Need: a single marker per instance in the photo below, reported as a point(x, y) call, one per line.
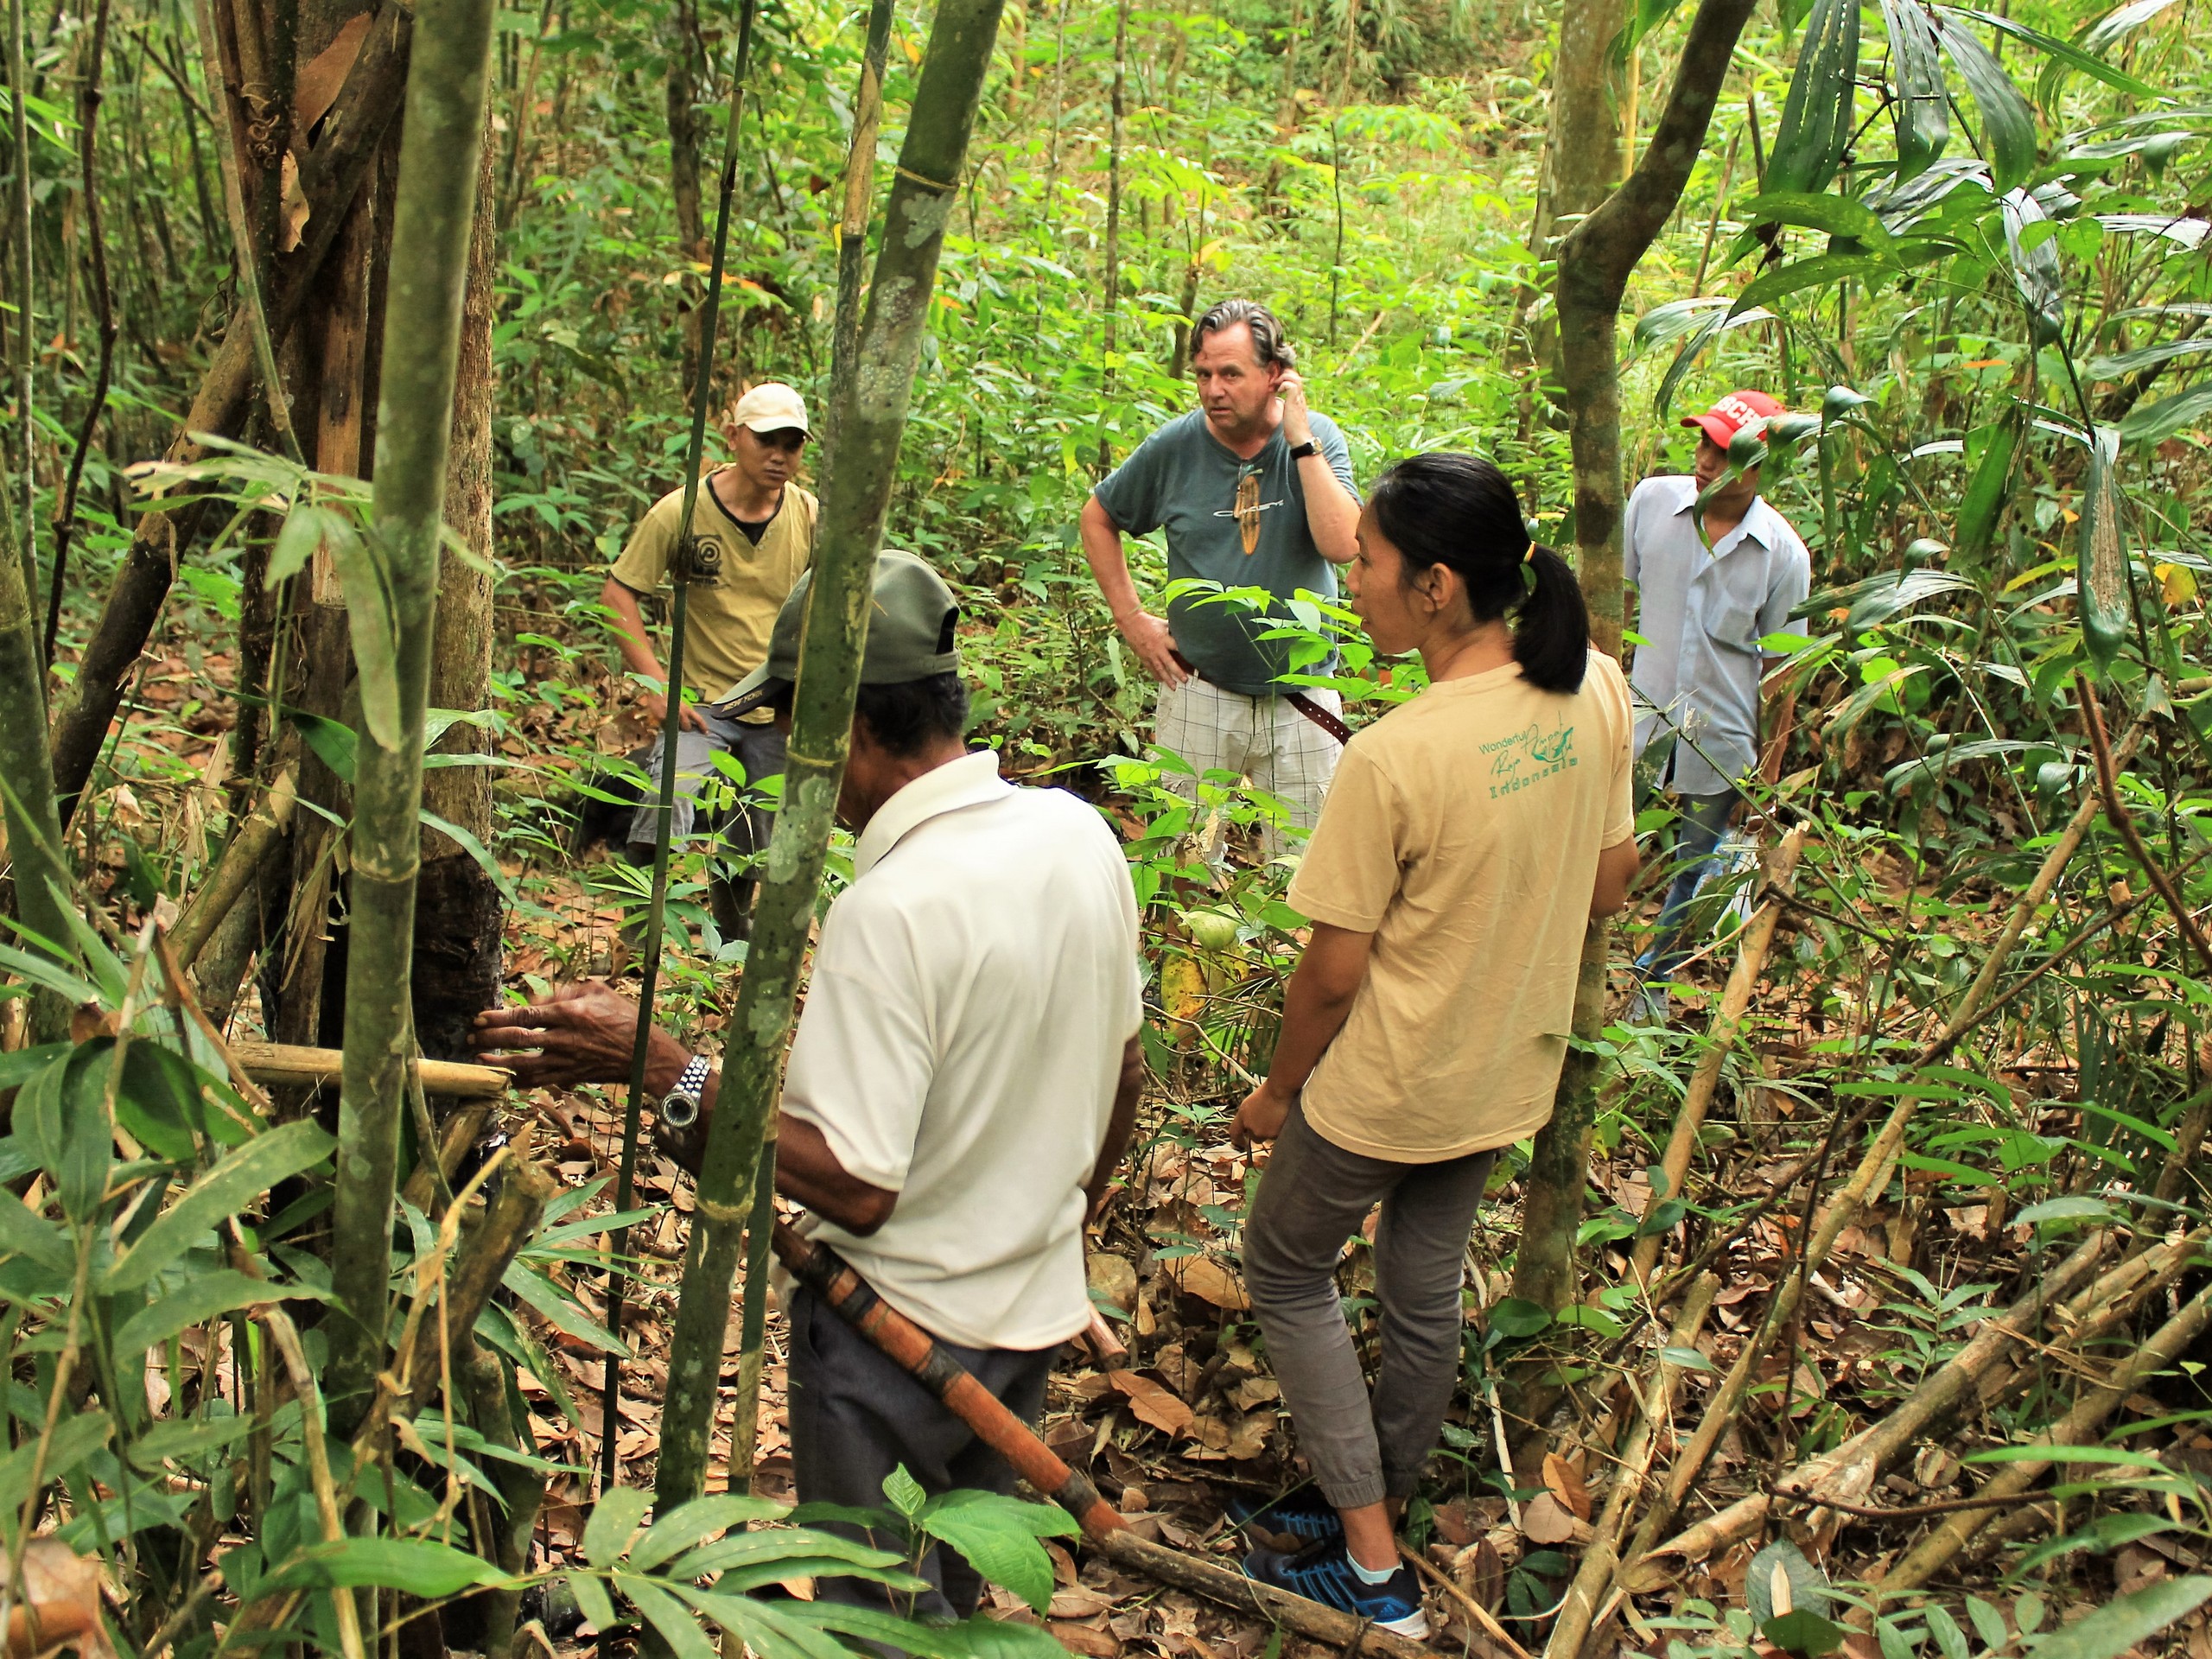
point(727, 635)
point(1463, 831)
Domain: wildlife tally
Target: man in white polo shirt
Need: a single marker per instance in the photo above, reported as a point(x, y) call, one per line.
point(962, 1080)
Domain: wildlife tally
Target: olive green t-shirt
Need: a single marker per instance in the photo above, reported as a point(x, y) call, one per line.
point(1463, 831)
point(727, 635)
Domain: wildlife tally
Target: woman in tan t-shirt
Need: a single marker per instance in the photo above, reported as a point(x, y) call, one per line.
point(1469, 835)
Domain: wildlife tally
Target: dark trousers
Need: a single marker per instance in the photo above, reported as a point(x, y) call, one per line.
point(855, 1416)
point(1704, 821)
point(1314, 1196)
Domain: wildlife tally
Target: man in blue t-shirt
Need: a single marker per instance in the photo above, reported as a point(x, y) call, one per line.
point(1254, 490)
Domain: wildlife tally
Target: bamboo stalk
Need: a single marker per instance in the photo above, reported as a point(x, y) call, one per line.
point(868, 426)
point(432, 215)
point(679, 571)
point(2089, 1416)
point(241, 860)
point(852, 227)
point(289, 1063)
point(1595, 1575)
point(20, 338)
point(1720, 1037)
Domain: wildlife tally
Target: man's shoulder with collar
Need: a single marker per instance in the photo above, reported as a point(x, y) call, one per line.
point(1323, 425)
point(1776, 531)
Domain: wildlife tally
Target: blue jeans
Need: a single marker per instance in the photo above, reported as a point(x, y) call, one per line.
point(1704, 820)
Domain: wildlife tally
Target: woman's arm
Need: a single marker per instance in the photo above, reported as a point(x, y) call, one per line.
point(1313, 1009)
point(1616, 869)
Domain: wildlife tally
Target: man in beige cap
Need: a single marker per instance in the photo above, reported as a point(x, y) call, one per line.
point(754, 529)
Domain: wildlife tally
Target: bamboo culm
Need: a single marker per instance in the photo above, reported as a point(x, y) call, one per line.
point(852, 228)
point(869, 426)
point(702, 392)
point(436, 202)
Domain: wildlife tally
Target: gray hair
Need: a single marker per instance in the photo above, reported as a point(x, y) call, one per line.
point(1267, 343)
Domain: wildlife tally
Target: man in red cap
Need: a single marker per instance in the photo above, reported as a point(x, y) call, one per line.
point(1705, 596)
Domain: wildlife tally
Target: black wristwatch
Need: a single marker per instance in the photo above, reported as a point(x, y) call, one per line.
point(1299, 451)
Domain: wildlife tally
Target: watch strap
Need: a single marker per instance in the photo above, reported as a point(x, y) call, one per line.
point(691, 1079)
point(1299, 451)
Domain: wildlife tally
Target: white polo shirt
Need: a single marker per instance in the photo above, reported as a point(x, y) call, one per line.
point(973, 991)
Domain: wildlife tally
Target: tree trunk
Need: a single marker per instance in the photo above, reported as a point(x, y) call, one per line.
point(1594, 264)
point(683, 126)
point(433, 214)
point(852, 529)
point(1113, 281)
point(40, 872)
point(459, 940)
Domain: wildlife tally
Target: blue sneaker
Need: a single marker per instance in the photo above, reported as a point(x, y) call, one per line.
point(1303, 1514)
point(1322, 1572)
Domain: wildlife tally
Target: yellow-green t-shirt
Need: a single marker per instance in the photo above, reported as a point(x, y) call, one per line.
point(727, 635)
point(1463, 830)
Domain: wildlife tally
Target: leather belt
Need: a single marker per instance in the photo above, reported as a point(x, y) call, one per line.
point(1298, 700)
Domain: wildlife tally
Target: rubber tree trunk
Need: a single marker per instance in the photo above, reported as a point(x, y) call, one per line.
point(852, 227)
point(430, 267)
point(1594, 265)
point(461, 912)
point(858, 497)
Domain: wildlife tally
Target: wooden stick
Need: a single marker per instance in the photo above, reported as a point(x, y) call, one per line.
point(1473, 1608)
point(1720, 1036)
point(263, 829)
point(845, 1293)
point(289, 1063)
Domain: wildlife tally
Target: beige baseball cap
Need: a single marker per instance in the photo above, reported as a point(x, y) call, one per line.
point(772, 407)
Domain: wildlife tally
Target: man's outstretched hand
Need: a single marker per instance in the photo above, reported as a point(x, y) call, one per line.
point(580, 1033)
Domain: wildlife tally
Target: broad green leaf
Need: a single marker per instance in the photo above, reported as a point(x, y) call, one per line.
point(1808, 1585)
point(422, 1567)
point(2063, 55)
point(2101, 570)
point(1516, 1317)
point(222, 1193)
point(1802, 1633)
point(199, 1298)
point(2119, 1625)
point(2157, 421)
point(978, 1636)
point(613, 1522)
point(1816, 115)
point(1989, 488)
point(371, 622)
point(1838, 215)
point(23, 1233)
point(904, 1492)
point(689, 1523)
point(539, 1292)
point(305, 528)
point(1821, 270)
point(2074, 1207)
point(185, 1439)
point(678, 1625)
point(1690, 1359)
point(2036, 271)
point(1922, 106)
point(2008, 124)
point(75, 1438)
point(591, 1596)
point(2038, 1454)
point(2144, 357)
point(2120, 21)
point(998, 1545)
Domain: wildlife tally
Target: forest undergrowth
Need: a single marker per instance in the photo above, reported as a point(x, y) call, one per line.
point(1887, 1329)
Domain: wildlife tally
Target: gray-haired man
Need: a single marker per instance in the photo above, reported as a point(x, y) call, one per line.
point(1254, 490)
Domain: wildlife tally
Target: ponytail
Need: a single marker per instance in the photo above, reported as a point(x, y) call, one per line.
point(1458, 511)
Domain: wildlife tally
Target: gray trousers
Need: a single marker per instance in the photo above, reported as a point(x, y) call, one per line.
point(855, 1416)
point(758, 749)
point(1313, 1196)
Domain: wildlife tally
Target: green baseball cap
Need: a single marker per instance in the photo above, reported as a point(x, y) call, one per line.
point(910, 634)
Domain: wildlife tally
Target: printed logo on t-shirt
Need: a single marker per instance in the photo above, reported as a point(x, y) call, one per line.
point(1248, 509)
point(1529, 756)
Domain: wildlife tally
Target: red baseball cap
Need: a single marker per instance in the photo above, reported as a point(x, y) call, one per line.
point(1732, 414)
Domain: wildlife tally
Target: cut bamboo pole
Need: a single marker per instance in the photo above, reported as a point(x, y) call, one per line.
point(1595, 1575)
point(2089, 1416)
point(242, 858)
point(859, 497)
point(1720, 1037)
point(268, 1063)
point(433, 207)
point(1874, 1167)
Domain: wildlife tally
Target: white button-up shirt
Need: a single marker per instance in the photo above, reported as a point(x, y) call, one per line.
point(972, 994)
point(1702, 616)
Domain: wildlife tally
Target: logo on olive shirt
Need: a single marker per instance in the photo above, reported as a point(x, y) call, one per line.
point(1529, 756)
